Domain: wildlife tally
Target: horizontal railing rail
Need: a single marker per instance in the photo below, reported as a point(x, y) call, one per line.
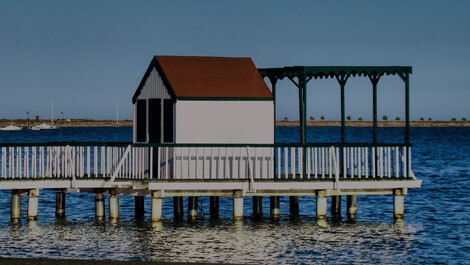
point(280, 161)
point(113, 144)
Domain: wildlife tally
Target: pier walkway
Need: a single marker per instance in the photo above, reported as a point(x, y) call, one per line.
point(237, 170)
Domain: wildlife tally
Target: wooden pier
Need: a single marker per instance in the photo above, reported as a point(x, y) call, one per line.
point(173, 154)
point(193, 170)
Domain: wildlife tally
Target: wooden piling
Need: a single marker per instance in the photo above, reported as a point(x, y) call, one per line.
point(139, 207)
point(113, 206)
point(237, 205)
point(294, 206)
point(192, 207)
point(15, 205)
point(60, 204)
point(33, 200)
point(214, 207)
point(398, 204)
point(336, 207)
point(156, 207)
point(275, 207)
point(178, 211)
point(257, 207)
point(351, 207)
point(321, 205)
point(99, 206)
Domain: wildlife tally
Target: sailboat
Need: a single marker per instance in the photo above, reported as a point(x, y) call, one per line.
point(46, 126)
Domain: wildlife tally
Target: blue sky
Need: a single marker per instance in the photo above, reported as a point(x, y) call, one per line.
point(89, 56)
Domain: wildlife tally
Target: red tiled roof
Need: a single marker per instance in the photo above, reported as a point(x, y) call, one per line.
point(213, 77)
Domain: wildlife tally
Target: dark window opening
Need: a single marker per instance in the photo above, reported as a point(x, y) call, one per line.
point(168, 120)
point(141, 120)
point(155, 118)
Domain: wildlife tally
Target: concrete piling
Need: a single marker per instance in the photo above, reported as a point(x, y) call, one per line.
point(294, 206)
point(237, 205)
point(336, 207)
point(214, 207)
point(99, 206)
point(139, 207)
point(33, 199)
point(156, 207)
point(60, 204)
point(351, 207)
point(178, 211)
point(15, 205)
point(321, 204)
point(113, 206)
point(257, 207)
point(398, 204)
point(275, 207)
point(192, 207)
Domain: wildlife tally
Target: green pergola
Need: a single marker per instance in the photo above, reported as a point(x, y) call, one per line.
point(302, 75)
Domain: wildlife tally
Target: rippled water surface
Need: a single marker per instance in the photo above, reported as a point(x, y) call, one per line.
point(436, 227)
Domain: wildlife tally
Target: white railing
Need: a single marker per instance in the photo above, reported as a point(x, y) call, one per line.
point(222, 162)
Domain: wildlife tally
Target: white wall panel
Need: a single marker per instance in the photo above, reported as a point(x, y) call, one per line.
point(224, 121)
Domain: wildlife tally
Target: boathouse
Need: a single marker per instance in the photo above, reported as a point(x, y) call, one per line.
point(189, 99)
point(204, 126)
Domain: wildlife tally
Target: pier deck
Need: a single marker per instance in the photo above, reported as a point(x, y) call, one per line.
point(236, 170)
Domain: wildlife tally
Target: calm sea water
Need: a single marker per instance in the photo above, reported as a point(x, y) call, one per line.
point(436, 228)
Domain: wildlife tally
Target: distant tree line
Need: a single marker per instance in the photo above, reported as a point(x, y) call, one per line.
point(384, 118)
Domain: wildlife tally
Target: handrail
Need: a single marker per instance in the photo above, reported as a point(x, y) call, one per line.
point(177, 161)
point(125, 144)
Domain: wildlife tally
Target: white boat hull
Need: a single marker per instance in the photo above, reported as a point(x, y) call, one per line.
point(11, 128)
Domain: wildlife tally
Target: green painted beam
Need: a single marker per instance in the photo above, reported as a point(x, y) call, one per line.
point(332, 71)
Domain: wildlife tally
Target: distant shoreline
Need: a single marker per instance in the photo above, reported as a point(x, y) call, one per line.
point(379, 123)
point(127, 123)
point(68, 123)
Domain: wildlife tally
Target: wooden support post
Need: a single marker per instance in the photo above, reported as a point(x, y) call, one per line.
point(192, 207)
point(113, 206)
point(33, 199)
point(398, 204)
point(99, 206)
point(15, 205)
point(321, 204)
point(342, 79)
point(273, 81)
point(237, 205)
point(294, 206)
point(178, 211)
point(156, 207)
point(275, 207)
point(407, 121)
point(351, 207)
point(257, 207)
point(139, 207)
point(336, 206)
point(214, 207)
point(374, 80)
point(60, 204)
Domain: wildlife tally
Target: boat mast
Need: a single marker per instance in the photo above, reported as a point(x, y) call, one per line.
point(52, 114)
point(117, 114)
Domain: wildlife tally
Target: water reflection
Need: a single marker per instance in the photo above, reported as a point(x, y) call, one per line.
point(247, 241)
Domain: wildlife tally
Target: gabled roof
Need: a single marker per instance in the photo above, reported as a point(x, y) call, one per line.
point(194, 77)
